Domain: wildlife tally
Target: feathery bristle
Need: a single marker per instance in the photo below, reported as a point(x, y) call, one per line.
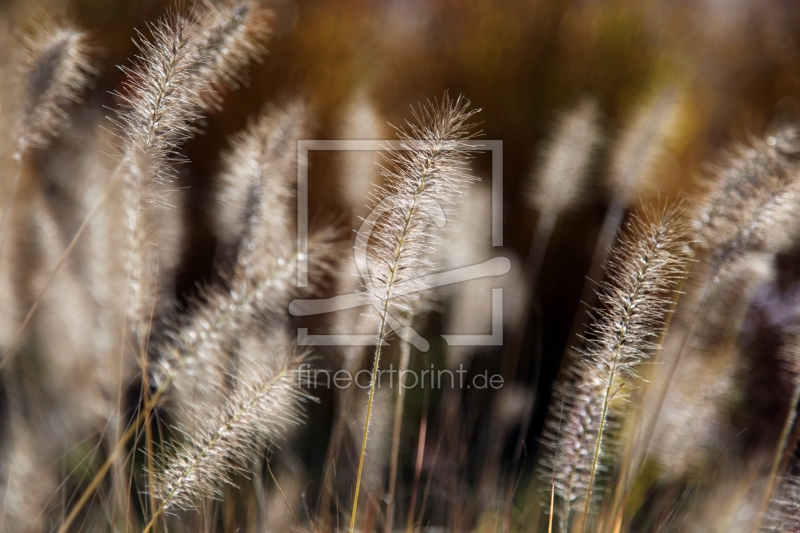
point(634, 161)
point(254, 202)
point(753, 206)
point(236, 33)
point(230, 434)
point(56, 67)
point(645, 267)
point(423, 180)
point(559, 180)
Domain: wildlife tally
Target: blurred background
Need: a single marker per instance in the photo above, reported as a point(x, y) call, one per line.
point(730, 67)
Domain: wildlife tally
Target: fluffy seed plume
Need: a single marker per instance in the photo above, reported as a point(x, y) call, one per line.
point(560, 178)
point(195, 361)
point(159, 108)
point(255, 219)
point(645, 267)
point(753, 205)
point(359, 173)
point(634, 161)
point(232, 433)
point(185, 59)
point(56, 67)
point(236, 33)
point(423, 179)
point(257, 185)
point(159, 98)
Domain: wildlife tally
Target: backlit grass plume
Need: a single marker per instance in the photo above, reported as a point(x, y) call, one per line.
point(255, 220)
point(54, 68)
point(160, 105)
point(633, 167)
point(642, 144)
point(185, 57)
point(560, 182)
point(753, 204)
point(422, 180)
point(231, 433)
point(566, 159)
point(236, 33)
point(254, 208)
point(195, 360)
point(645, 267)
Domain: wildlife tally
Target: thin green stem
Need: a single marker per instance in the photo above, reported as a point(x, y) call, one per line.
point(366, 425)
point(382, 328)
point(597, 446)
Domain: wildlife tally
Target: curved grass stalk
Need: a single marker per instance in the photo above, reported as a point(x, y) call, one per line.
point(382, 334)
point(195, 463)
point(646, 273)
